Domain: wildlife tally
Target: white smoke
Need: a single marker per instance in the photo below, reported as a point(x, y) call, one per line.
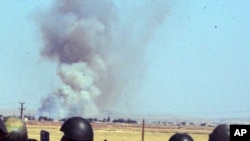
point(99, 49)
point(77, 95)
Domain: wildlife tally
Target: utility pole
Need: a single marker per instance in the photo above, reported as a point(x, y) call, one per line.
point(21, 109)
point(142, 132)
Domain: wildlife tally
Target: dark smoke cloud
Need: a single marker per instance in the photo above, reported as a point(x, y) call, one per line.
point(99, 45)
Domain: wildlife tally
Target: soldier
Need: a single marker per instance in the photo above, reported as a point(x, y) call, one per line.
point(220, 133)
point(181, 137)
point(16, 129)
point(77, 129)
point(3, 130)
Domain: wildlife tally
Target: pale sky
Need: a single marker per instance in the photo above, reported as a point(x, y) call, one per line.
point(196, 59)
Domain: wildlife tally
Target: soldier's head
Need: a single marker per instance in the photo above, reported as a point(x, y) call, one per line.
point(181, 137)
point(16, 129)
point(3, 130)
point(77, 129)
point(220, 133)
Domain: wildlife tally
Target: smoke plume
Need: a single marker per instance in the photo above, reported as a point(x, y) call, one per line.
point(99, 46)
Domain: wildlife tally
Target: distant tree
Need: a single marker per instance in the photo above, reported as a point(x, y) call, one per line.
point(129, 121)
point(108, 119)
point(29, 117)
point(92, 119)
point(44, 118)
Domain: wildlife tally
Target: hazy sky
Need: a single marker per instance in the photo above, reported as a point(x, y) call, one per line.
point(194, 61)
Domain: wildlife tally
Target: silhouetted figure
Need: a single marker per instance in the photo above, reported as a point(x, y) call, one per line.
point(16, 129)
point(3, 130)
point(181, 137)
point(77, 129)
point(220, 133)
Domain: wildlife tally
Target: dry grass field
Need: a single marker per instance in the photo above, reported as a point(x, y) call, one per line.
point(122, 132)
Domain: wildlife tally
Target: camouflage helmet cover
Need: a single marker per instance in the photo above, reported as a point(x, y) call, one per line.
point(16, 128)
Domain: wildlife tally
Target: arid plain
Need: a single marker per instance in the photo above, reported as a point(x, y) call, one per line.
point(122, 132)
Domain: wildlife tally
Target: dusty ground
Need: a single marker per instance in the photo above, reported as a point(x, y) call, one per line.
point(122, 132)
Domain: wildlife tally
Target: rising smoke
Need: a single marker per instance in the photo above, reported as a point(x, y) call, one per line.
point(99, 46)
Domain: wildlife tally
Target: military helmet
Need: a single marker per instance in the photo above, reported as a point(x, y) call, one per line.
point(220, 133)
point(77, 128)
point(16, 128)
point(181, 137)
